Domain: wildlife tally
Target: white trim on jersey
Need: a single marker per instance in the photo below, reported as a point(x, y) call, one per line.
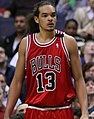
point(28, 39)
point(58, 31)
point(43, 44)
point(53, 108)
point(66, 50)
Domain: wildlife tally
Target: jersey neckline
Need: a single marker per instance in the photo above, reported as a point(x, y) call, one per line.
point(43, 44)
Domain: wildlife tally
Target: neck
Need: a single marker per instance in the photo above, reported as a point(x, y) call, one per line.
point(44, 37)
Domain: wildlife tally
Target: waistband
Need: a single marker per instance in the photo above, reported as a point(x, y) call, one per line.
point(49, 108)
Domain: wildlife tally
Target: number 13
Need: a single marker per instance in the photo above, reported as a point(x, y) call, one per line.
point(51, 76)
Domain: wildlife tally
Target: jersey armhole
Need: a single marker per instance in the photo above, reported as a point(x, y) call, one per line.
point(65, 49)
point(28, 40)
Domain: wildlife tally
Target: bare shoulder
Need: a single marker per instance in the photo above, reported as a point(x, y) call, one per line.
point(22, 46)
point(23, 42)
point(71, 43)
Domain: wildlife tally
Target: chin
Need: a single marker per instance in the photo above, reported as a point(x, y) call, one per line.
point(50, 29)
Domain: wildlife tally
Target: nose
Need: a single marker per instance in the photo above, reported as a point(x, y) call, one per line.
point(50, 18)
point(18, 23)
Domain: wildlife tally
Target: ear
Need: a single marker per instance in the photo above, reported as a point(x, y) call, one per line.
point(36, 19)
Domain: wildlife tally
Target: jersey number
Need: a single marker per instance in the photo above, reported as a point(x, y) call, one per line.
point(51, 77)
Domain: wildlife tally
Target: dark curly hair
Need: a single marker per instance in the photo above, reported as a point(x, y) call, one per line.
point(32, 26)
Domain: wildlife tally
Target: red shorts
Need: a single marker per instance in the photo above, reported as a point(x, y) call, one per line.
point(61, 113)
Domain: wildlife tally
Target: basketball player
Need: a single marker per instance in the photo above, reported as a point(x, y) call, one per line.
point(48, 56)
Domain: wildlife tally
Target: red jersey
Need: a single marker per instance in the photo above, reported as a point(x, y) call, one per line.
point(48, 74)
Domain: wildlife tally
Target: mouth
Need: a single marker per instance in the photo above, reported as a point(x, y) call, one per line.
point(50, 24)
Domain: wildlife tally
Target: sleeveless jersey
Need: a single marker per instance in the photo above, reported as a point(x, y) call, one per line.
point(48, 74)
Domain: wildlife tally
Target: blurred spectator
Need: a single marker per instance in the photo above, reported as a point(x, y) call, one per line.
point(4, 4)
point(88, 70)
point(20, 111)
point(66, 9)
point(85, 19)
point(91, 103)
point(89, 85)
point(77, 3)
point(77, 113)
point(22, 108)
point(81, 3)
point(70, 27)
point(91, 115)
point(3, 60)
point(2, 107)
point(88, 51)
point(11, 43)
point(10, 73)
point(17, 116)
point(90, 92)
point(11, 69)
point(5, 88)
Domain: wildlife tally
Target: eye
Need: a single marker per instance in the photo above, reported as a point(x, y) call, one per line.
point(44, 15)
point(20, 21)
point(53, 15)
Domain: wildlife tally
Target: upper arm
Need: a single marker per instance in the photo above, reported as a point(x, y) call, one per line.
point(20, 67)
point(74, 57)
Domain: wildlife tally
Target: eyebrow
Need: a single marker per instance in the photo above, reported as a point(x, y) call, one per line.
point(48, 13)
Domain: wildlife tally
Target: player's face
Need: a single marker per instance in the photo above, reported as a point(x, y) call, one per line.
point(47, 18)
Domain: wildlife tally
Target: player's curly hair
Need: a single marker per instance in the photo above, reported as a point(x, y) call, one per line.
point(32, 26)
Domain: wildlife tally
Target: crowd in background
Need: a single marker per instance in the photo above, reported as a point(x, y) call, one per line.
point(74, 17)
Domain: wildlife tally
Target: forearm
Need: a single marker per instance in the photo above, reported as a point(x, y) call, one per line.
point(82, 95)
point(13, 96)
